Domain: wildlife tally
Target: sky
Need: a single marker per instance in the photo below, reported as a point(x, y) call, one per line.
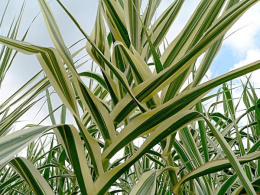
point(238, 49)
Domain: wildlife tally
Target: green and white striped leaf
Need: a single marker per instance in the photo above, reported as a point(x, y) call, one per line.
point(32, 176)
point(98, 112)
point(13, 143)
point(114, 15)
point(161, 26)
point(98, 36)
point(147, 182)
point(118, 74)
point(214, 166)
point(184, 101)
point(171, 125)
point(132, 13)
point(153, 85)
point(233, 159)
point(73, 144)
point(52, 66)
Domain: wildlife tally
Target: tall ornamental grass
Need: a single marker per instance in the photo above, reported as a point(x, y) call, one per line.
point(144, 122)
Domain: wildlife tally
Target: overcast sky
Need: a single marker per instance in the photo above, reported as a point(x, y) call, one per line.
point(239, 49)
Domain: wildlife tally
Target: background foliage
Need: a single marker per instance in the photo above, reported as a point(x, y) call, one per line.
point(143, 120)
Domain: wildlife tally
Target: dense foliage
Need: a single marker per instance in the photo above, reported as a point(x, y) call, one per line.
point(144, 122)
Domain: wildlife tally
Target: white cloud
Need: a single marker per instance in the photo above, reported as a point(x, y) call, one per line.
point(243, 42)
point(251, 56)
point(245, 31)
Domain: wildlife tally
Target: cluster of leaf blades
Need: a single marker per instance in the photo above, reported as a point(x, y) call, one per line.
point(145, 90)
